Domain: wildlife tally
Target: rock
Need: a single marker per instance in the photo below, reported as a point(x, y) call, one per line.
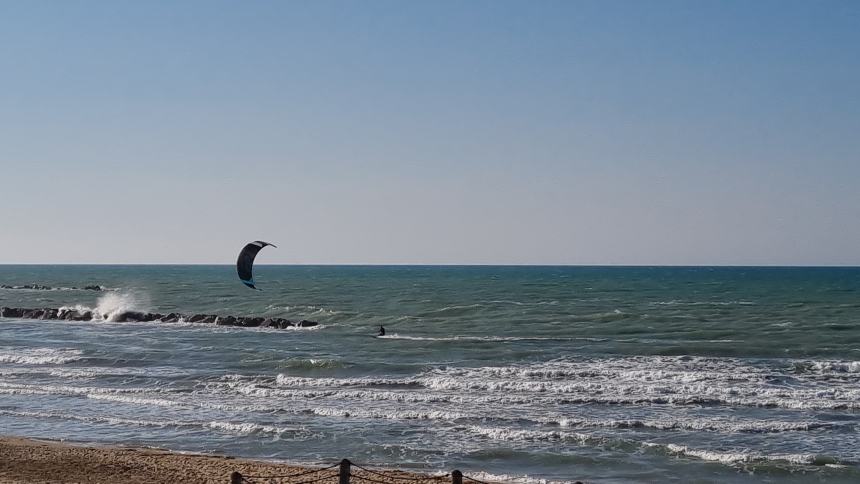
point(132, 317)
point(67, 314)
point(75, 315)
point(276, 323)
point(33, 313)
point(170, 318)
point(92, 288)
point(252, 322)
point(225, 321)
point(11, 312)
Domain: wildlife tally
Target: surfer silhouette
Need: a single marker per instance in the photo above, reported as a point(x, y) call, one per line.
point(381, 331)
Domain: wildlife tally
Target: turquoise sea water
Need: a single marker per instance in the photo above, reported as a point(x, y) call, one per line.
point(537, 373)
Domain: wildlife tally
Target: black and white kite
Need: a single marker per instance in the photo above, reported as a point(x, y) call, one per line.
point(246, 262)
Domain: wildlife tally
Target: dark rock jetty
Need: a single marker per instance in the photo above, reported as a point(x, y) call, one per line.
point(65, 314)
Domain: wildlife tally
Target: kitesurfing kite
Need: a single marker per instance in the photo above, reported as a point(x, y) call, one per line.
point(246, 262)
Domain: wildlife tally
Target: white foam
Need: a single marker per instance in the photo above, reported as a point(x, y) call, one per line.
point(487, 338)
point(698, 424)
point(39, 356)
point(626, 381)
point(110, 306)
point(506, 478)
point(522, 435)
point(676, 302)
point(160, 402)
point(36, 389)
point(296, 381)
point(836, 366)
point(353, 412)
point(230, 427)
point(247, 428)
point(746, 457)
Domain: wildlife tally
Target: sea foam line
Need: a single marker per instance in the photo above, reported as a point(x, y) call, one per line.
point(39, 356)
point(245, 428)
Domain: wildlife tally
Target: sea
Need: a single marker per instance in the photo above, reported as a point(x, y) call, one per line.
point(509, 373)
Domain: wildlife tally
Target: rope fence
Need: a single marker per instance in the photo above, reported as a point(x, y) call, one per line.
point(348, 472)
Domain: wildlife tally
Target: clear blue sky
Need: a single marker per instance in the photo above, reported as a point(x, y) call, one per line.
point(435, 132)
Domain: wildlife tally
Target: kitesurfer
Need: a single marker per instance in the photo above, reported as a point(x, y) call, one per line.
point(381, 331)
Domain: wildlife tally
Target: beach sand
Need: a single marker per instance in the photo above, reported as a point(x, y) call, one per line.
point(25, 460)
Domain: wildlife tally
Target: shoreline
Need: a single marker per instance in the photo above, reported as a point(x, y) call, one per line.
point(25, 460)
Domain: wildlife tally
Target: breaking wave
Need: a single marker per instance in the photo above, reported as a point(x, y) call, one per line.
point(39, 356)
point(246, 428)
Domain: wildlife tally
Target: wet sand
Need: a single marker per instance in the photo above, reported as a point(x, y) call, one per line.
point(25, 460)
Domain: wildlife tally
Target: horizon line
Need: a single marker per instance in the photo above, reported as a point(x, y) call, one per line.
point(847, 266)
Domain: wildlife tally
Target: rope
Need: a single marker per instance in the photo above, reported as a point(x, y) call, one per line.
point(398, 478)
point(389, 477)
point(297, 474)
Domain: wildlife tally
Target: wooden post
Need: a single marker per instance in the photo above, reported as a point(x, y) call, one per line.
point(235, 477)
point(456, 477)
point(344, 471)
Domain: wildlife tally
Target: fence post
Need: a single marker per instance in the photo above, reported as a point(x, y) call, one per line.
point(456, 477)
point(344, 471)
point(235, 477)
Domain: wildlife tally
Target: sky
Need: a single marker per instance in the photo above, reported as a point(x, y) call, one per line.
point(461, 132)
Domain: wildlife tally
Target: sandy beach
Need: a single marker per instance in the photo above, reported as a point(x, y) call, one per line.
point(24, 460)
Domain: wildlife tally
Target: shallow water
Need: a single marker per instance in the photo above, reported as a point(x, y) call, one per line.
point(556, 373)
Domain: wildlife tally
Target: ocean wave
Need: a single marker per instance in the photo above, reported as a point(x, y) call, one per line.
point(672, 381)
point(99, 419)
point(453, 310)
point(675, 302)
point(329, 389)
point(160, 402)
point(311, 364)
point(619, 443)
point(9, 388)
point(523, 435)
point(249, 428)
point(696, 424)
point(93, 372)
point(417, 414)
point(293, 381)
point(748, 457)
point(40, 356)
point(513, 479)
point(246, 428)
point(396, 336)
point(827, 367)
point(435, 412)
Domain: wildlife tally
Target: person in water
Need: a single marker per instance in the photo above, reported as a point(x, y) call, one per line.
point(381, 331)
